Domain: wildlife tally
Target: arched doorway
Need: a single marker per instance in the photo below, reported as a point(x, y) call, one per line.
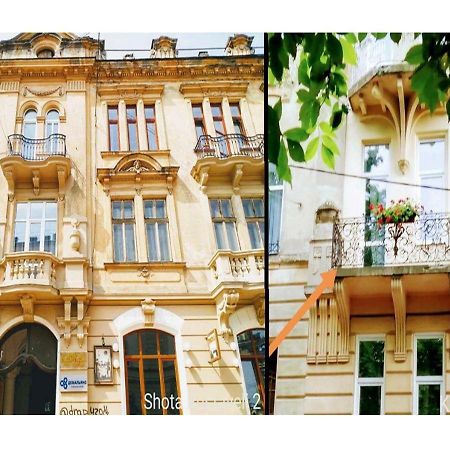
point(28, 355)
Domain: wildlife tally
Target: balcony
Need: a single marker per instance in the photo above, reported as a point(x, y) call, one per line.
point(359, 242)
point(243, 267)
point(36, 163)
point(228, 157)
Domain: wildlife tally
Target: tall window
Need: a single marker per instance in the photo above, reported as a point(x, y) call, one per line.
point(254, 215)
point(150, 123)
point(199, 121)
point(156, 226)
point(275, 203)
point(429, 375)
point(35, 227)
point(219, 127)
point(370, 376)
point(376, 167)
point(29, 132)
point(237, 119)
point(52, 127)
point(123, 230)
point(151, 373)
point(133, 142)
point(252, 348)
point(432, 173)
point(113, 128)
point(224, 223)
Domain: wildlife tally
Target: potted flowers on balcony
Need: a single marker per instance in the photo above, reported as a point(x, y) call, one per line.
point(402, 211)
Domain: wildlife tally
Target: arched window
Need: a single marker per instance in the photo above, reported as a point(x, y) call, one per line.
point(29, 124)
point(151, 373)
point(52, 129)
point(252, 347)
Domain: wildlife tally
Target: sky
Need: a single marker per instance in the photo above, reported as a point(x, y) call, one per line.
point(130, 42)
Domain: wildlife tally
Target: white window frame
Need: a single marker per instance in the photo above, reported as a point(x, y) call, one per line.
point(369, 381)
point(28, 221)
point(223, 220)
point(258, 220)
point(276, 187)
point(432, 379)
point(122, 222)
point(155, 222)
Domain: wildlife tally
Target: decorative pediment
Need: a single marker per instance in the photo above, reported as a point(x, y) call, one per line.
point(138, 169)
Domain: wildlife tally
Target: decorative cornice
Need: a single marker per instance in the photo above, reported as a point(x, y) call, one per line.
point(208, 89)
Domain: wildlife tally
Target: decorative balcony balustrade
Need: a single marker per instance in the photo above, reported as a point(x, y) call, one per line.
point(37, 149)
point(360, 242)
point(243, 266)
point(223, 147)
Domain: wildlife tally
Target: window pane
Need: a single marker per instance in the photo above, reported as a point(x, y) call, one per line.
point(275, 201)
point(429, 357)
point(151, 135)
point(170, 383)
point(50, 210)
point(131, 344)
point(50, 237)
point(248, 208)
point(21, 211)
point(376, 159)
point(160, 209)
point(214, 205)
point(218, 126)
point(231, 234)
point(113, 137)
point(116, 210)
point(132, 136)
point(432, 156)
point(129, 242)
point(152, 386)
point(128, 210)
point(251, 383)
point(254, 235)
point(112, 113)
point(163, 241)
point(166, 344)
point(227, 211)
point(35, 237)
point(220, 239)
point(133, 388)
point(151, 242)
point(149, 112)
point(429, 399)
point(19, 237)
point(131, 113)
point(370, 400)
point(258, 204)
point(36, 210)
point(148, 209)
point(433, 200)
point(199, 130)
point(118, 242)
point(149, 342)
point(197, 111)
point(235, 110)
point(371, 359)
point(216, 110)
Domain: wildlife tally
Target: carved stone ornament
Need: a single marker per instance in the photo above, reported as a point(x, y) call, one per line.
point(224, 310)
point(27, 302)
point(58, 90)
point(260, 308)
point(327, 212)
point(75, 235)
point(148, 308)
point(137, 167)
point(74, 325)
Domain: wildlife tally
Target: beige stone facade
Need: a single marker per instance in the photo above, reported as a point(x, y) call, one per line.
point(106, 227)
point(399, 298)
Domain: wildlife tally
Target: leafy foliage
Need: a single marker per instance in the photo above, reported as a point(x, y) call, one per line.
point(322, 59)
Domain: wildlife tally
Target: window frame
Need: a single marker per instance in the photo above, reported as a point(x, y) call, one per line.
point(428, 379)
point(28, 221)
point(113, 122)
point(255, 219)
point(220, 119)
point(157, 220)
point(122, 221)
point(224, 220)
point(377, 381)
point(151, 120)
point(238, 118)
point(275, 187)
point(199, 120)
point(132, 122)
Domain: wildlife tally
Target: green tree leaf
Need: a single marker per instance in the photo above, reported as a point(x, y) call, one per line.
point(283, 170)
point(311, 148)
point(290, 43)
point(273, 141)
point(327, 157)
point(379, 35)
point(351, 37)
point(448, 109)
point(334, 47)
point(303, 76)
point(425, 82)
point(414, 55)
point(325, 127)
point(395, 37)
point(336, 119)
point(296, 151)
point(303, 95)
point(348, 52)
point(296, 134)
point(361, 36)
point(278, 108)
point(278, 57)
point(330, 144)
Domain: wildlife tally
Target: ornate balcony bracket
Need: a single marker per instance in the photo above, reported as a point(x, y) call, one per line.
point(148, 309)
point(399, 299)
point(260, 309)
point(27, 302)
point(71, 326)
point(225, 307)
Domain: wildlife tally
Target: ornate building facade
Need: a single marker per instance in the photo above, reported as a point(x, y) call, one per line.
point(131, 229)
point(378, 342)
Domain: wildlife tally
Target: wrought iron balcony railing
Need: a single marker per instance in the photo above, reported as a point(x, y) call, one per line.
point(37, 149)
point(223, 147)
point(360, 242)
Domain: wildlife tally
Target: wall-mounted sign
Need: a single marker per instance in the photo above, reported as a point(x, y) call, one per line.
point(103, 373)
point(214, 347)
point(73, 382)
point(73, 360)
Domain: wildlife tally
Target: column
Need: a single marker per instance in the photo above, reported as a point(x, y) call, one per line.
point(207, 115)
point(141, 240)
point(174, 235)
point(142, 129)
point(10, 382)
point(247, 118)
point(227, 118)
point(241, 224)
point(123, 128)
point(161, 126)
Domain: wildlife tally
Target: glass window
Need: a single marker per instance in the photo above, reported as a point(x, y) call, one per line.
point(113, 128)
point(151, 373)
point(254, 215)
point(29, 127)
point(150, 122)
point(123, 230)
point(370, 376)
point(429, 375)
point(238, 124)
point(252, 348)
point(157, 232)
point(35, 227)
point(432, 173)
point(275, 204)
point(224, 224)
point(133, 142)
point(52, 129)
point(199, 121)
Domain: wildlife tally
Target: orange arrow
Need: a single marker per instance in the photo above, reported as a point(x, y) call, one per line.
point(327, 281)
